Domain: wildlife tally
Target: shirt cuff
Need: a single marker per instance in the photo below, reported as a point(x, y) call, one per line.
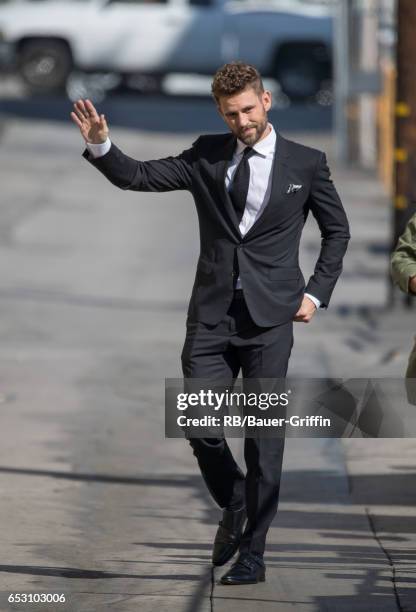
point(314, 300)
point(98, 150)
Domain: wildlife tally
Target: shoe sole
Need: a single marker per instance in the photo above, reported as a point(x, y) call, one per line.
point(261, 579)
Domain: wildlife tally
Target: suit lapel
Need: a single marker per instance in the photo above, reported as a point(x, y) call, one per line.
point(221, 171)
point(279, 179)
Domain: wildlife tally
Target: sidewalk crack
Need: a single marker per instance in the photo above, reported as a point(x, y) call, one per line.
point(211, 596)
point(388, 557)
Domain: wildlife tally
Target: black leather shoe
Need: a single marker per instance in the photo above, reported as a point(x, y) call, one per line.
point(227, 539)
point(248, 569)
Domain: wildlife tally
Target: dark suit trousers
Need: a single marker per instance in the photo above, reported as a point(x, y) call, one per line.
point(219, 352)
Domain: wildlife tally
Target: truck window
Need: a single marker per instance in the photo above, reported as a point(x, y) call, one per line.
point(201, 2)
point(137, 1)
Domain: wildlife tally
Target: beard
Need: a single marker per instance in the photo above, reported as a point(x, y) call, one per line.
point(253, 135)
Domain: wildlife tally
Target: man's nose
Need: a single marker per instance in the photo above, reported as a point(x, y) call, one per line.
point(242, 121)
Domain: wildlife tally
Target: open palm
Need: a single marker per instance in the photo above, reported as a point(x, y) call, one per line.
point(93, 127)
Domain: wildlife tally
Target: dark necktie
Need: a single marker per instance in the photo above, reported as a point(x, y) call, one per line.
point(239, 187)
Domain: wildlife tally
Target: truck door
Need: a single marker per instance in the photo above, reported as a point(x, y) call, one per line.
point(199, 49)
point(138, 35)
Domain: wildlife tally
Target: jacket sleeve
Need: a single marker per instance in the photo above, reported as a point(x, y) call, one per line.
point(403, 259)
point(326, 207)
point(167, 174)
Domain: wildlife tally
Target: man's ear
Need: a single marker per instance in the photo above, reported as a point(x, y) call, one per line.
point(267, 99)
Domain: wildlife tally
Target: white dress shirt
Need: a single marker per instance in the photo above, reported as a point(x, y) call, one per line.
point(260, 180)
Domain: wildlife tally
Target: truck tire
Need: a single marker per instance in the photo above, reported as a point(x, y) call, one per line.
point(299, 73)
point(44, 65)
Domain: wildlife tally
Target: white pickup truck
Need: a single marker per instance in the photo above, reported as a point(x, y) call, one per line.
point(289, 40)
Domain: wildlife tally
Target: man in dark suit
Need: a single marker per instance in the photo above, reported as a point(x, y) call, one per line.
point(253, 190)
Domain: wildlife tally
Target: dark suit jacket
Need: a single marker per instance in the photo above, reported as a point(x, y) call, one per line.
point(267, 256)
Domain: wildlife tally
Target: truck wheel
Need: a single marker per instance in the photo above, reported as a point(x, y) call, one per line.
point(45, 65)
point(299, 76)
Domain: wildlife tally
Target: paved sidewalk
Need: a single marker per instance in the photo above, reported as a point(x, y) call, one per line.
point(97, 503)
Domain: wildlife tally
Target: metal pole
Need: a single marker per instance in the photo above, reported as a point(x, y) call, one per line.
point(405, 123)
point(341, 77)
point(405, 144)
point(369, 62)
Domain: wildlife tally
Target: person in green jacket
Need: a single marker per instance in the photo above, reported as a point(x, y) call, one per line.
point(403, 271)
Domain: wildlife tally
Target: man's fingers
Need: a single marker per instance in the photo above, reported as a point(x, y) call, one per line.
point(91, 110)
point(305, 312)
point(301, 313)
point(81, 108)
point(77, 121)
point(302, 318)
point(87, 108)
point(79, 113)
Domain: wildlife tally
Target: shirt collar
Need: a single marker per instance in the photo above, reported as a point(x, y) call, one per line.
point(263, 147)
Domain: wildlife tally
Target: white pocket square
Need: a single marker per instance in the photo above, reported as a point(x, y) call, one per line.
point(293, 188)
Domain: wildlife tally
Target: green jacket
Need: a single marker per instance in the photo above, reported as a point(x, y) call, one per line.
point(403, 266)
point(403, 259)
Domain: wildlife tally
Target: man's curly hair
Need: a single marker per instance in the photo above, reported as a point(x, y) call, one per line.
point(233, 78)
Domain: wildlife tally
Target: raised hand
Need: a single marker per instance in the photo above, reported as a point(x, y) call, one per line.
point(93, 127)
